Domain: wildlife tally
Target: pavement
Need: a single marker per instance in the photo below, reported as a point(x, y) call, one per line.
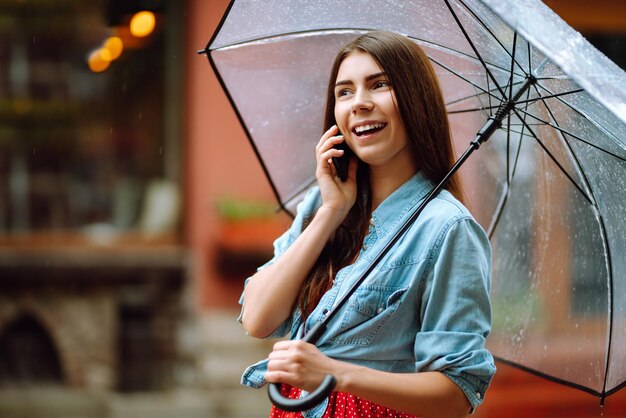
point(185, 403)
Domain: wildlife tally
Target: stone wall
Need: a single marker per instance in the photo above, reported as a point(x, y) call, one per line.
point(81, 323)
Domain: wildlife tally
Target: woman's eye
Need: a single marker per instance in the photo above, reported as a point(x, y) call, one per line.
point(381, 84)
point(342, 92)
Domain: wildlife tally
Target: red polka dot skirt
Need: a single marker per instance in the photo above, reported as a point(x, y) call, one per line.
point(340, 404)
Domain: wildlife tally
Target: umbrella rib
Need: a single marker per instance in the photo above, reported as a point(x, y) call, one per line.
point(530, 61)
point(478, 109)
point(565, 131)
point(528, 123)
point(551, 96)
point(489, 88)
point(510, 174)
point(512, 66)
point(469, 40)
point(499, 211)
point(606, 246)
point(521, 131)
point(474, 96)
point(489, 31)
point(558, 164)
point(445, 67)
point(593, 122)
point(461, 53)
point(508, 146)
point(497, 67)
point(522, 134)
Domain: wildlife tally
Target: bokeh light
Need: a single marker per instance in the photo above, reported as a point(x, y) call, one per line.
point(115, 46)
point(142, 24)
point(97, 63)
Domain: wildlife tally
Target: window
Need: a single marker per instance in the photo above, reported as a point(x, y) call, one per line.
point(89, 142)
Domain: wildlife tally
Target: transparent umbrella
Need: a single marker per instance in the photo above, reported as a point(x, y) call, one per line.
point(549, 186)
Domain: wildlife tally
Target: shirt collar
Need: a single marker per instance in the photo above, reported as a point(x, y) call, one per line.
point(394, 208)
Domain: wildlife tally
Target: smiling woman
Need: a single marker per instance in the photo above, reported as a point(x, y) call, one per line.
point(367, 116)
point(411, 338)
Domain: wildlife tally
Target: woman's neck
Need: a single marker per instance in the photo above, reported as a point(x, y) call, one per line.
point(386, 181)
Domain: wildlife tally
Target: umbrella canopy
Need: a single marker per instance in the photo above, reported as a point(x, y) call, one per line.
point(548, 187)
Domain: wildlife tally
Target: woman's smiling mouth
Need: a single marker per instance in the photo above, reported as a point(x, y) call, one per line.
point(368, 128)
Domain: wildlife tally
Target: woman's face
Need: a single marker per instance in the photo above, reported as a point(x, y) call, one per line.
point(367, 115)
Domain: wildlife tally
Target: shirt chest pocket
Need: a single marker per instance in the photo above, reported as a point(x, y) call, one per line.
point(367, 311)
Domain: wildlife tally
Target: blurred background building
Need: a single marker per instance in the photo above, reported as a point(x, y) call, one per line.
point(132, 208)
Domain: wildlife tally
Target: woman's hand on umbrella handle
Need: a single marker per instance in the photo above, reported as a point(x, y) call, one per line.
point(300, 364)
point(305, 403)
point(336, 194)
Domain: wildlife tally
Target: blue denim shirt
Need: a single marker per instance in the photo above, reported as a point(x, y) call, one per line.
point(426, 305)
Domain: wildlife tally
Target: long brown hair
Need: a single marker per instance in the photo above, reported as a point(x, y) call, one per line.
point(422, 109)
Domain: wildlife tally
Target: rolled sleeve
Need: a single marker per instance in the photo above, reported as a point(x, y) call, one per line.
point(456, 312)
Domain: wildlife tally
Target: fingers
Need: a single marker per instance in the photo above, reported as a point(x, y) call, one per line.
point(330, 154)
point(329, 140)
point(282, 367)
point(289, 352)
point(327, 149)
point(330, 132)
point(287, 363)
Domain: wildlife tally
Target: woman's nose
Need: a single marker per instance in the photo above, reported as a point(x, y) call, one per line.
point(361, 102)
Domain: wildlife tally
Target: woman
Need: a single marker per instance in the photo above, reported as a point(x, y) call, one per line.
point(411, 339)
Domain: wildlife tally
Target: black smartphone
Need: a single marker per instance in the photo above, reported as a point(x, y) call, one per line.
point(341, 163)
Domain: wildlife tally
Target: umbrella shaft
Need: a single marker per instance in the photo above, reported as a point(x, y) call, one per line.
point(495, 122)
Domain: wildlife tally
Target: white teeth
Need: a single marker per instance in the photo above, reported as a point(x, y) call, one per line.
point(364, 128)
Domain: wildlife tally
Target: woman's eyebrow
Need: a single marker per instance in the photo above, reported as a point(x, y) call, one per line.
point(368, 78)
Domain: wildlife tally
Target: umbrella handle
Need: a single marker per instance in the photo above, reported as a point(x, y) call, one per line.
point(302, 404)
point(319, 394)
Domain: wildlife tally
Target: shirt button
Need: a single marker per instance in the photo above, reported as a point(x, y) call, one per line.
point(324, 312)
point(372, 221)
point(478, 395)
point(379, 310)
point(364, 247)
